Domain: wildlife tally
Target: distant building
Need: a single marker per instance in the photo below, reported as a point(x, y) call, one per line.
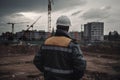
point(31, 35)
point(7, 36)
point(94, 32)
point(114, 36)
point(77, 35)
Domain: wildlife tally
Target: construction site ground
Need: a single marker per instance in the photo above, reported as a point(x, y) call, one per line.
point(100, 66)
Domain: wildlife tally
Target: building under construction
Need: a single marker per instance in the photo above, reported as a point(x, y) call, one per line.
point(94, 31)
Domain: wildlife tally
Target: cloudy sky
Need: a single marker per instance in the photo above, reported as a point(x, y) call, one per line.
point(79, 11)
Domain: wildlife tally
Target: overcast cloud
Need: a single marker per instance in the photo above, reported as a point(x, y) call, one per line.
point(99, 13)
point(79, 11)
point(15, 6)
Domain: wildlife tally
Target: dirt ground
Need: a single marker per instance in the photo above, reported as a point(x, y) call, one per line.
point(16, 64)
point(20, 67)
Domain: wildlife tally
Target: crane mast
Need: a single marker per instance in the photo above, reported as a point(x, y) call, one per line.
point(49, 14)
point(12, 27)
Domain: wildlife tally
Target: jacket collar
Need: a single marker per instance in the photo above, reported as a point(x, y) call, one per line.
point(60, 32)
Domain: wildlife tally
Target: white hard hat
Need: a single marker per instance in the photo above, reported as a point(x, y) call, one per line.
point(63, 21)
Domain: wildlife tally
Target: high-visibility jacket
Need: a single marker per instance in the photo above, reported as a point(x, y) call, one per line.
point(60, 58)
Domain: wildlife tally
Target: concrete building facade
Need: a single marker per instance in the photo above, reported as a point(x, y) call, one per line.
point(94, 31)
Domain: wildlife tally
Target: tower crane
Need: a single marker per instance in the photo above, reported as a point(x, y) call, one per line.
point(13, 25)
point(49, 14)
point(31, 26)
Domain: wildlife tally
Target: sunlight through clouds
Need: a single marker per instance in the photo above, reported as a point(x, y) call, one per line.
point(30, 15)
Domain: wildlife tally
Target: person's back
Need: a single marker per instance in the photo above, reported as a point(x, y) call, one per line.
point(60, 58)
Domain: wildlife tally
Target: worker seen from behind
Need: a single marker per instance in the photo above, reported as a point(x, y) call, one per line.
point(60, 57)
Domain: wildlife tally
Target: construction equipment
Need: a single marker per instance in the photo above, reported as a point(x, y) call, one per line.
point(12, 27)
point(27, 30)
point(49, 14)
point(14, 24)
point(31, 26)
point(82, 27)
